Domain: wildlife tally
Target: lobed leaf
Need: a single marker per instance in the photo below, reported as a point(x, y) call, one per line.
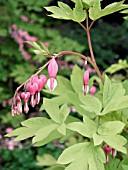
point(44, 132)
point(83, 156)
point(64, 112)
point(90, 106)
point(116, 141)
point(111, 128)
point(52, 109)
point(87, 129)
point(95, 11)
point(65, 12)
point(77, 81)
point(32, 126)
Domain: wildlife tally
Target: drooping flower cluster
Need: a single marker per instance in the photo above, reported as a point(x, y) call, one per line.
point(108, 150)
point(36, 84)
point(33, 89)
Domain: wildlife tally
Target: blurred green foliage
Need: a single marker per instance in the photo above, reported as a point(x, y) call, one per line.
point(25, 158)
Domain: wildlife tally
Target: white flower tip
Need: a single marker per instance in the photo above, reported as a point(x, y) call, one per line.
point(52, 83)
point(85, 62)
point(85, 89)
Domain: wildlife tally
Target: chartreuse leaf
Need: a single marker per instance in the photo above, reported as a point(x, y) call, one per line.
point(116, 141)
point(68, 97)
point(65, 12)
point(97, 79)
point(112, 91)
point(64, 92)
point(89, 2)
point(77, 79)
point(55, 131)
point(34, 45)
point(122, 103)
point(64, 112)
point(87, 129)
point(43, 129)
point(62, 129)
point(90, 103)
point(32, 126)
point(83, 156)
point(97, 139)
point(125, 86)
point(78, 12)
point(111, 128)
point(63, 86)
point(61, 12)
point(84, 112)
point(56, 167)
point(95, 11)
point(69, 154)
point(52, 136)
point(52, 109)
point(37, 48)
point(122, 64)
point(44, 132)
point(106, 90)
point(58, 115)
point(108, 132)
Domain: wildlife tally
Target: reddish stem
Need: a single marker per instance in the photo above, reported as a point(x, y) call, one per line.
point(90, 48)
point(57, 56)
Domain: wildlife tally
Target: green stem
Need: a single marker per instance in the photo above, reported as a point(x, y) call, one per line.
point(98, 120)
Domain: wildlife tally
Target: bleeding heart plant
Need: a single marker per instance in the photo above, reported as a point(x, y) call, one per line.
point(102, 114)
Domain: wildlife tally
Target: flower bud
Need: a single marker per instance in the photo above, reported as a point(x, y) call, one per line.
point(52, 68)
point(86, 81)
point(93, 90)
point(52, 71)
point(107, 149)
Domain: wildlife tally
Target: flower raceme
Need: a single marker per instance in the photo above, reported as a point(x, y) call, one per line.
point(33, 89)
point(36, 84)
point(52, 72)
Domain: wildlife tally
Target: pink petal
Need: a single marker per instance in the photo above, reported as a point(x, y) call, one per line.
point(52, 68)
